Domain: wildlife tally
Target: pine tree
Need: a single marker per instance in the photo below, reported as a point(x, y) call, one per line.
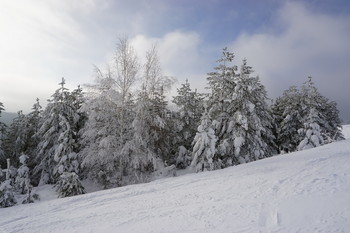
point(237, 105)
point(57, 150)
point(222, 86)
point(204, 146)
point(33, 120)
point(311, 132)
point(186, 121)
point(69, 185)
point(305, 119)
point(288, 112)
point(16, 138)
point(312, 117)
point(2, 138)
point(7, 198)
point(333, 129)
point(22, 180)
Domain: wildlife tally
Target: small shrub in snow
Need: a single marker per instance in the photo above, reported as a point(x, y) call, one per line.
point(69, 185)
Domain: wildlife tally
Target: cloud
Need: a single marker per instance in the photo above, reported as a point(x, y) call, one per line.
point(40, 42)
point(304, 43)
point(179, 55)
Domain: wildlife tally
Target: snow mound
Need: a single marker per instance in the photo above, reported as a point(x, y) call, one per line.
point(346, 131)
point(306, 191)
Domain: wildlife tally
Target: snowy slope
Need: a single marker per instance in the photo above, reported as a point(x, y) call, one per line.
point(307, 191)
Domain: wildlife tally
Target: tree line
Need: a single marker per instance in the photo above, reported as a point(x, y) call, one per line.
point(119, 130)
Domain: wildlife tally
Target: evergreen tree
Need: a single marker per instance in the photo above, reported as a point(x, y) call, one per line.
point(190, 108)
point(7, 198)
point(57, 150)
point(2, 138)
point(69, 185)
point(22, 180)
point(237, 106)
point(33, 120)
point(204, 146)
point(312, 117)
point(305, 119)
point(333, 128)
point(311, 132)
point(16, 139)
point(288, 112)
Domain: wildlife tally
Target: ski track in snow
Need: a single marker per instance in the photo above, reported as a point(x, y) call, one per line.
point(305, 191)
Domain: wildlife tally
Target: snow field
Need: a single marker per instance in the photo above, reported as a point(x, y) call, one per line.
point(306, 191)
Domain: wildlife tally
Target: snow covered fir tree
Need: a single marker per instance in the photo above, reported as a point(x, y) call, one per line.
point(122, 129)
point(240, 114)
point(204, 145)
point(305, 119)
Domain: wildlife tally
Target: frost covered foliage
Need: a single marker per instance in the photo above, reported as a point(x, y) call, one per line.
point(2, 137)
point(148, 150)
point(311, 132)
point(33, 120)
point(21, 135)
point(141, 149)
point(288, 114)
point(16, 138)
point(69, 185)
point(186, 121)
point(242, 119)
point(56, 150)
point(305, 119)
point(22, 180)
point(7, 198)
point(204, 146)
point(101, 142)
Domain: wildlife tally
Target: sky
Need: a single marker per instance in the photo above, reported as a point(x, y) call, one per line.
point(284, 41)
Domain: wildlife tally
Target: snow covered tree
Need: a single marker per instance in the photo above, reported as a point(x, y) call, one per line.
point(16, 139)
point(288, 112)
point(305, 119)
point(311, 132)
point(204, 146)
point(2, 138)
point(101, 145)
point(148, 149)
point(22, 180)
point(312, 117)
point(237, 105)
point(69, 185)
point(77, 96)
point(33, 120)
point(141, 149)
point(7, 198)
point(126, 68)
point(110, 116)
point(57, 150)
point(332, 129)
point(186, 121)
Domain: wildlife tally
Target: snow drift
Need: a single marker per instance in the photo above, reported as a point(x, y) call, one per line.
point(306, 191)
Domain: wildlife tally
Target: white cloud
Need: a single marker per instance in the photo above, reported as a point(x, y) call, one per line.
point(179, 56)
point(40, 42)
point(308, 44)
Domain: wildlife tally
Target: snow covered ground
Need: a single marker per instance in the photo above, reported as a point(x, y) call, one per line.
point(346, 131)
point(306, 191)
